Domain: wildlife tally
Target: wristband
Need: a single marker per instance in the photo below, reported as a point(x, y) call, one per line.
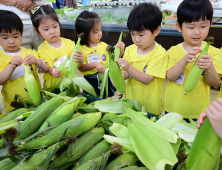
point(40, 68)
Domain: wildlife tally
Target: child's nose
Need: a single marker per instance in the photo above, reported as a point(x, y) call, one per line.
point(197, 31)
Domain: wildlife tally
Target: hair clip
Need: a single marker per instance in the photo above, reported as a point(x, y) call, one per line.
point(35, 9)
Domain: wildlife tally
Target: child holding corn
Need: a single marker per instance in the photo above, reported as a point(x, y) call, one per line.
point(12, 56)
point(144, 63)
point(194, 20)
point(214, 113)
point(94, 51)
point(55, 49)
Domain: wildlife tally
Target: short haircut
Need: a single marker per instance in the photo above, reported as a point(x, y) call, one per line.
point(10, 21)
point(84, 24)
point(194, 10)
point(44, 12)
point(145, 16)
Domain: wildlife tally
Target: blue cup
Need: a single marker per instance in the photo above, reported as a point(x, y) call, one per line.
point(84, 2)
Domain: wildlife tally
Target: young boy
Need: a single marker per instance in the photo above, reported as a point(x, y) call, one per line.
point(145, 62)
point(11, 58)
point(214, 113)
point(194, 20)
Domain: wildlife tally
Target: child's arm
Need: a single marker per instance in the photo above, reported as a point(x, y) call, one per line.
point(125, 75)
point(139, 76)
point(174, 72)
point(78, 57)
point(206, 63)
point(86, 67)
point(214, 113)
point(7, 72)
point(30, 59)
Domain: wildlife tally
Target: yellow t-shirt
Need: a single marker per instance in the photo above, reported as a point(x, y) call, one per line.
point(154, 63)
point(196, 101)
point(51, 55)
point(16, 86)
point(101, 52)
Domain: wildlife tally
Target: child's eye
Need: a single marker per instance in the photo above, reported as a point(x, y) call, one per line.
point(141, 35)
point(16, 37)
point(190, 27)
point(203, 26)
point(5, 38)
point(55, 26)
point(45, 29)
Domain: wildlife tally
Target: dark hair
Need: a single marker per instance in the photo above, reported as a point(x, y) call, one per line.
point(84, 23)
point(10, 21)
point(43, 12)
point(194, 10)
point(145, 16)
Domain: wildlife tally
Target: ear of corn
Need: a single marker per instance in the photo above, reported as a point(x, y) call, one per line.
point(64, 83)
point(35, 120)
point(32, 86)
point(6, 125)
point(116, 74)
point(129, 168)
point(117, 50)
point(122, 161)
point(82, 145)
point(7, 164)
point(205, 149)
point(14, 114)
point(72, 67)
point(96, 151)
point(195, 72)
point(138, 118)
point(62, 114)
point(88, 121)
point(143, 141)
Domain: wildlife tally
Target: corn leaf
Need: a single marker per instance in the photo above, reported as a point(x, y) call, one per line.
point(64, 83)
point(119, 130)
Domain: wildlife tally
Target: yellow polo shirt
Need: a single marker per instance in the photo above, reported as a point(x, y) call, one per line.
point(154, 63)
point(51, 55)
point(99, 51)
point(16, 86)
point(196, 101)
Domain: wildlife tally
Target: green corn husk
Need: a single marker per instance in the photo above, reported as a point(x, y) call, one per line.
point(195, 72)
point(129, 168)
point(143, 140)
point(117, 50)
point(122, 161)
point(14, 114)
point(35, 120)
point(32, 86)
point(138, 118)
point(116, 74)
point(119, 130)
point(6, 125)
point(81, 146)
point(2, 143)
point(7, 164)
point(96, 151)
point(62, 114)
point(205, 148)
point(89, 121)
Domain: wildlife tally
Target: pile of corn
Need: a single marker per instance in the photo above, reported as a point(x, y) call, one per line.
point(65, 133)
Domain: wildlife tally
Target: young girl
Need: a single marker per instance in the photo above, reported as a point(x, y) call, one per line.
point(55, 49)
point(12, 56)
point(94, 51)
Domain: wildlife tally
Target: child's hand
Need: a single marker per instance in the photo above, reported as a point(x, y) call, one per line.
point(121, 45)
point(201, 119)
point(100, 68)
point(191, 55)
point(125, 75)
point(29, 59)
point(123, 63)
point(205, 62)
point(55, 73)
point(78, 57)
point(16, 61)
point(217, 85)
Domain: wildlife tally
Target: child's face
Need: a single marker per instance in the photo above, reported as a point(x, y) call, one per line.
point(50, 30)
point(143, 39)
point(11, 42)
point(195, 32)
point(95, 34)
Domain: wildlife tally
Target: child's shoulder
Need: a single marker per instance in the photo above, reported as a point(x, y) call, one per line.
point(103, 44)
point(159, 48)
point(177, 47)
point(65, 40)
point(27, 51)
point(131, 47)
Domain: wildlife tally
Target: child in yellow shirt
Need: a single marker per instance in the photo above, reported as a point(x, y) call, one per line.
point(55, 49)
point(144, 63)
point(94, 50)
point(11, 58)
point(194, 20)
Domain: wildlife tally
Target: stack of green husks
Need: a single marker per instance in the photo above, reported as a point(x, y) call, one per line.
point(64, 133)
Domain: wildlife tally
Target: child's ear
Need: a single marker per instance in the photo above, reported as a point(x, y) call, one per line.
point(178, 27)
point(157, 31)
